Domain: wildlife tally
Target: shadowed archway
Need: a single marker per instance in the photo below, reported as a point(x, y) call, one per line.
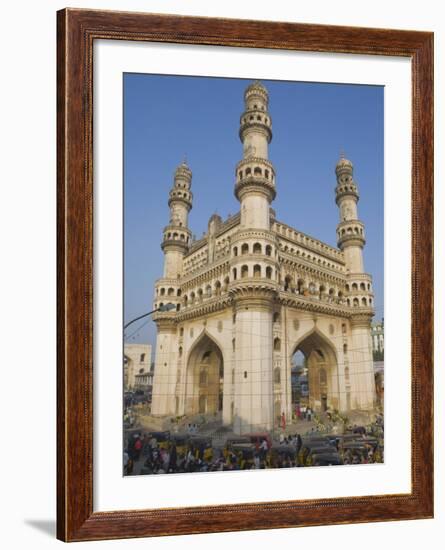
point(205, 374)
point(317, 373)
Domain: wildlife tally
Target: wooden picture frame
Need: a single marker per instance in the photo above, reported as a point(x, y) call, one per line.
point(77, 31)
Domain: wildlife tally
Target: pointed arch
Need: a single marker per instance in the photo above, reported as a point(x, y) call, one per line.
point(312, 335)
point(321, 369)
point(199, 339)
point(204, 376)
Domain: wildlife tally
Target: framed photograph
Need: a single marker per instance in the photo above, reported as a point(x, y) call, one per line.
point(245, 229)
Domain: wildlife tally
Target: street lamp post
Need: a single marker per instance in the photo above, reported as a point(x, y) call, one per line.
point(164, 307)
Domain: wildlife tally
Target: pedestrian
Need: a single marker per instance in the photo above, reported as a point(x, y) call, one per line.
point(299, 443)
point(298, 411)
point(137, 448)
point(263, 449)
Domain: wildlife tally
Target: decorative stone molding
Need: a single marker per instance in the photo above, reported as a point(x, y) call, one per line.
point(255, 183)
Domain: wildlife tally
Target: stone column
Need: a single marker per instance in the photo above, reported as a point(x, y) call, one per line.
point(361, 367)
point(253, 409)
point(164, 380)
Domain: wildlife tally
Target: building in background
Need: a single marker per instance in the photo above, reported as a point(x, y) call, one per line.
point(138, 374)
point(254, 291)
point(378, 340)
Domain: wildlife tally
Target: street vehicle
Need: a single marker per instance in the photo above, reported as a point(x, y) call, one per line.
point(326, 459)
point(245, 454)
point(309, 456)
point(202, 446)
point(240, 440)
point(353, 452)
point(282, 452)
point(181, 441)
point(258, 437)
point(308, 446)
point(162, 439)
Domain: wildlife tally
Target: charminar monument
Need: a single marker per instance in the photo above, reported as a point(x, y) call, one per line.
point(252, 292)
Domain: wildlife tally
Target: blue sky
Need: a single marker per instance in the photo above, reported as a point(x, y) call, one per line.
point(167, 117)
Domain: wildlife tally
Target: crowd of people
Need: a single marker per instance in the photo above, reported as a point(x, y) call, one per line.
point(145, 454)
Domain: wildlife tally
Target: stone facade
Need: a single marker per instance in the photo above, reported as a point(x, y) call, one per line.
point(137, 362)
point(253, 291)
point(378, 337)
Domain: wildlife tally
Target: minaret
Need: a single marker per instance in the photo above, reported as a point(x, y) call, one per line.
point(254, 269)
point(350, 231)
point(177, 234)
point(175, 244)
point(351, 240)
point(255, 175)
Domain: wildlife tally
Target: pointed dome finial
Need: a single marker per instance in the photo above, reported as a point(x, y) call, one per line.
point(343, 164)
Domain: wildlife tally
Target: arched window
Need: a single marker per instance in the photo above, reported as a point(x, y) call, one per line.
point(362, 286)
point(257, 270)
point(178, 307)
point(343, 328)
point(203, 378)
point(244, 271)
point(257, 171)
point(354, 286)
point(226, 283)
point(345, 348)
point(178, 292)
point(257, 248)
point(181, 331)
point(162, 291)
point(355, 302)
point(266, 173)
point(364, 302)
point(268, 250)
point(300, 286)
point(235, 251)
point(269, 272)
point(180, 351)
point(276, 317)
point(171, 291)
point(245, 249)
point(277, 375)
point(217, 288)
point(192, 298)
point(208, 291)
point(200, 293)
point(277, 344)
point(287, 282)
point(142, 358)
point(248, 171)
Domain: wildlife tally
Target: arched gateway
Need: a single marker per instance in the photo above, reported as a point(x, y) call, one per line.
point(322, 370)
point(204, 379)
